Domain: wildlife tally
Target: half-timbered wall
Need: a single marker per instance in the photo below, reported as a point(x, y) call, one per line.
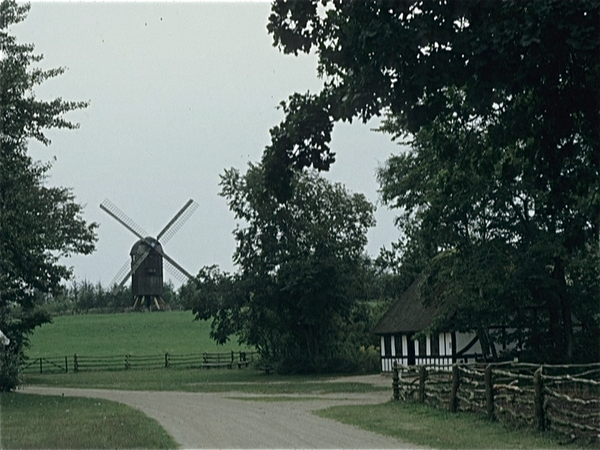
point(433, 350)
point(438, 353)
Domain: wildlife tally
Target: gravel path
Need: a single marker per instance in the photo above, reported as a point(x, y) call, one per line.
point(236, 420)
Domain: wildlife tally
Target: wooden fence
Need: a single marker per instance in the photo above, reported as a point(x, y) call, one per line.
point(565, 399)
point(80, 363)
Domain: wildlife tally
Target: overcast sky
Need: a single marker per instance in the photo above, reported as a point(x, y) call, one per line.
point(178, 93)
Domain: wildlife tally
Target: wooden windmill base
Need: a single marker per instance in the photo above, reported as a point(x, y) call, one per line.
point(149, 301)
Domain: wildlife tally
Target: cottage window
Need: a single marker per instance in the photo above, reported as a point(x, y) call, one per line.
point(398, 344)
point(387, 343)
point(422, 346)
point(435, 345)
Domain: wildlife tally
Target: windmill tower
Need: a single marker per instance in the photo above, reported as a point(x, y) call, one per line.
point(148, 256)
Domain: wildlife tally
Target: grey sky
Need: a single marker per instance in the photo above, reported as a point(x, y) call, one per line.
point(179, 92)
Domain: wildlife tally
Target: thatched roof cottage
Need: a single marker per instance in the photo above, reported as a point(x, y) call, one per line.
point(409, 316)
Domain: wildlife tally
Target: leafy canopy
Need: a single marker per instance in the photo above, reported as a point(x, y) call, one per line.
point(38, 224)
point(400, 57)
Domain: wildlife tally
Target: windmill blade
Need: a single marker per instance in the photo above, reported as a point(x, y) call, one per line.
point(121, 274)
point(173, 263)
point(177, 222)
point(134, 267)
point(111, 209)
point(118, 288)
point(175, 272)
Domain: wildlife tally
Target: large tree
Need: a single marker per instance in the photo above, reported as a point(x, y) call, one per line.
point(475, 214)
point(38, 224)
point(500, 101)
point(301, 265)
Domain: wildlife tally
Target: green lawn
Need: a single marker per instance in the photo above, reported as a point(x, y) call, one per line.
point(139, 333)
point(199, 380)
point(51, 422)
point(427, 426)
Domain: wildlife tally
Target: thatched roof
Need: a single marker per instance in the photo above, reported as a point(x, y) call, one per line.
point(408, 314)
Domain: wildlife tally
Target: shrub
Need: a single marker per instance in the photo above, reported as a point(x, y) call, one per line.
point(10, 374)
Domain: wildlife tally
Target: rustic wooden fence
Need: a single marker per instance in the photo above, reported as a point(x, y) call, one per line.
point(81, 363)
point(565, 399)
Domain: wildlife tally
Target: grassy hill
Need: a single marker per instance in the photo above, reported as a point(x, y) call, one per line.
point(140, 333)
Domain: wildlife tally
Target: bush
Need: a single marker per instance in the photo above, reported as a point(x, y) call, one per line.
point(344, 359)
point(10, 374)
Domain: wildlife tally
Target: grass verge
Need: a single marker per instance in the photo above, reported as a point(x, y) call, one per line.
point(431, 427)
point(200, 380)
point(39, 421)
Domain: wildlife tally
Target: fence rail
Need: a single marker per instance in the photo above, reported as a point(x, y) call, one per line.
point(82, 363)
point(565, 399)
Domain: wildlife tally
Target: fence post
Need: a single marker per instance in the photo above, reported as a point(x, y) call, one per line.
point(422, 378)
point(127, 366)
point(453, 406)
point(66, 364)
point(167, 360)
point(41, 370)
point(489, 392)
point(396, 381)
point(538, 400)
point(75, 363)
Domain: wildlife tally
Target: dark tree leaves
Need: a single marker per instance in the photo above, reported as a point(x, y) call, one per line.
point(401, 57)
point(38, 224)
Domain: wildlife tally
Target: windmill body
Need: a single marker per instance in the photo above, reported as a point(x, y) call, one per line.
point(147, 273)
point(147, 257)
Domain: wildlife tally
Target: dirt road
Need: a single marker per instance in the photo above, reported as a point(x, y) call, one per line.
point(237, 420)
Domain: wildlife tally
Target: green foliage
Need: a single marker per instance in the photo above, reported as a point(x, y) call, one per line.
point(83, 297)
point(301, 269)
point(38, 224)
point(401, 57)
point(10, 375)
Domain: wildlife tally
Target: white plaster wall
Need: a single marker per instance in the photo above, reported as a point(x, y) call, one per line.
point(462, 340)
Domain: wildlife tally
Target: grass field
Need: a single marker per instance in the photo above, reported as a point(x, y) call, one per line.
point(140, 333)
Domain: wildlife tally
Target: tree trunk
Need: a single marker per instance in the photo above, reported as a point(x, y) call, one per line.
point(487, 345)
point(554, 326)
point(567, 325)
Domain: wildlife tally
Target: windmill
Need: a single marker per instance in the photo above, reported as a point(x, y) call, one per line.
point(147, 257)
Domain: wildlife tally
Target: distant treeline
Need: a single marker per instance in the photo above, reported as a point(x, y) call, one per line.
point(83, 297)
